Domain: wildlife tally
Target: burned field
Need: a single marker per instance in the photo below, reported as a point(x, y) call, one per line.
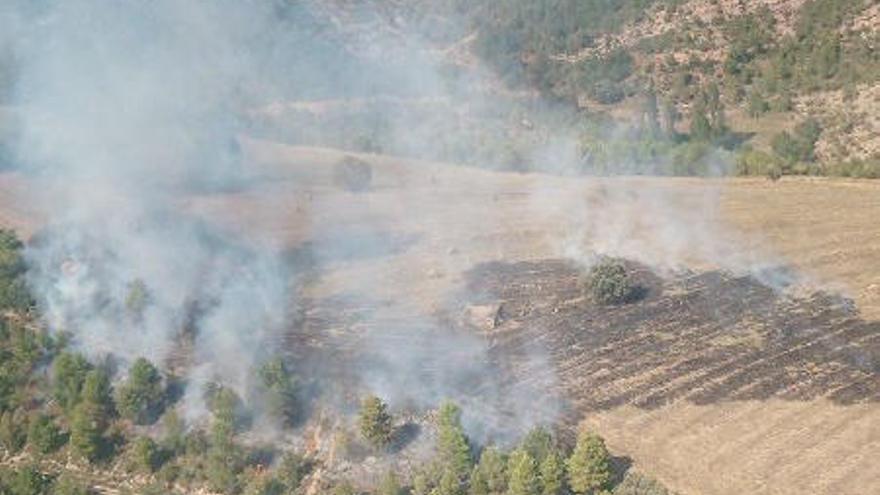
point(698, 337)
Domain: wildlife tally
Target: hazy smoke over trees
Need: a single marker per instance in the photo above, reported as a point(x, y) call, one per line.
point(126, 107)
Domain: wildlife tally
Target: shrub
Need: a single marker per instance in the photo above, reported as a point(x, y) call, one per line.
point(264, 485)
point(492, 470)
point(292, 470)
point(280, 389)
point(589, 467)
point(390, 485)
point(86, 431)
point(67, 485)
point(523, 471)
point(637, 484)
point(145, 455)
point(69, 374)
point(142, 396)
point(96, 390)
point(28, 481)
point(553, 475)
point(43, 435)
point(753, 162)
point(375, 422)
point(452, 444)
point(13, 289)
point(13, 433)
point(538, 442)
point(609, 283)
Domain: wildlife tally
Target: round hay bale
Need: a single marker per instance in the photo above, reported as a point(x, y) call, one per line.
point(352, 174)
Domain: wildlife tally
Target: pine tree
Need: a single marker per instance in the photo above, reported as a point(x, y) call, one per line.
point(493, 469)
point(477, 483)
point(523, 471)
point(670, 118)
point(450, 484)
point(43, 435)
point(553, 474)
point(376, 423)
point(589, 467)
point(421, 485)
point(538, 443)
point(390, 485)
point(281, 389)
point(96, 390)
point(701, 128)
point(68, 485)
point(454, 451)
point(651, 112)
point(87, 426)
point(13, 433)
point(141, 398)
point(757, 106)
point(68, 375)
point(144, 455)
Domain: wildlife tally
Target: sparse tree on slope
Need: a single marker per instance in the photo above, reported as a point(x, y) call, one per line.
point(43, 435)
point(13, 433)
point(493, 469)
point(96, 390)
point(450, 484)
point(87, 426)
point(455, 453)
point(280, 387)
point(477, 483)
point(68, 376)
point(390, 485)
point(553, 474)
point(523, 471)
point(538, 443)
point(589, 467)
point(141, 398)
point(375, 422)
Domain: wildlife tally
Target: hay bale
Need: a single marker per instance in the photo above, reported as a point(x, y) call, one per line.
point(352, 174)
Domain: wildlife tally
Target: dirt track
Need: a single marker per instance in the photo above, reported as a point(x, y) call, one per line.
point(778, 414)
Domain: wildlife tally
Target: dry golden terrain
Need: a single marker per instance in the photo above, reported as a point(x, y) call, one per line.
point(413, 237)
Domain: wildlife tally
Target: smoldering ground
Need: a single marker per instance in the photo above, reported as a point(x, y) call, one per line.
point(125, 109)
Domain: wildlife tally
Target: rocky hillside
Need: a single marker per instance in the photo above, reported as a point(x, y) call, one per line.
point(708, 69)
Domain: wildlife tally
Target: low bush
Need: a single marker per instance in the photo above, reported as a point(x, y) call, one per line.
point(609, 283)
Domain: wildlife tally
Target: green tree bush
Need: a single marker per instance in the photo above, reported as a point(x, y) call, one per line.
point(492, 470)
point(452, 444)
point(609, 283)
point(141, 398)
point(281, 390)
point(87, 426)
point(552, 470)
point(145, 455)
point(13, 431)
point(523, 472)
point(375, 422)
point(589, 467)
point(69, 372)
point(44, 436)
point(68, 485)
point(390, 485)
point(29, 480)
point(96, 390)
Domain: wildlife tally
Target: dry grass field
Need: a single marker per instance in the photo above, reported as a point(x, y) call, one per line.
point(715, 384)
